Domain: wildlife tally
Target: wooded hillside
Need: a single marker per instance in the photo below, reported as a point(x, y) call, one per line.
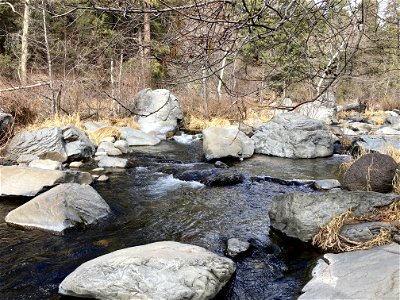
point(221, 58)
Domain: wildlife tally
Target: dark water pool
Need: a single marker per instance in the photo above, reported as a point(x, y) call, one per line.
point(148, 204)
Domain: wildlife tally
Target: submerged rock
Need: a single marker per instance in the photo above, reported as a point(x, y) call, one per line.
point(162, 270)
point(326, 184)
point(235, 247)
point(212, 177)
point(300, 215)
point(62, 207)
point(219, 142)
point(371, 172)
point(294, 136)
point(366, 274)
point(25, 181)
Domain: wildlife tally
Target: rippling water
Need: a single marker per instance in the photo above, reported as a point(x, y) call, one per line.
point(149, 204)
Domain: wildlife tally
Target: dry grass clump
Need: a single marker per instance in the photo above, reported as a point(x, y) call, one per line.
point(329, 238)
point(123, 122)
point(99, 134)
point(379, 116)
point(197, 123)
point(57, 120)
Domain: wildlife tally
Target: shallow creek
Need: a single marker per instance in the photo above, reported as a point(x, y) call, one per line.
point(148, 204)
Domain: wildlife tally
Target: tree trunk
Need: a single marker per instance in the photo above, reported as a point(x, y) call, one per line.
point(24, 43)
point(146, 43)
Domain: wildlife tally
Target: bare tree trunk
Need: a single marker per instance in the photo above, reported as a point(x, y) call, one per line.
point(114, 108)
point(24, 43)
point(221, 74)
point(49, 62)
point(121, 60)
point(205, 91)
point(146, 43)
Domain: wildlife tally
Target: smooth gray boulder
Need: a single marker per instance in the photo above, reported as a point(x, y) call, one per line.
point(300, 215)
point(122, 145)
point(157, 111)
point(294, 136)
point(109, 148)
point(136, 137)
point(112, 162)
point(47, 143)
point(220, 142)
point(162, 270)
point(25, 181)
point(64, 206)
point(366, 274)
point(47, 164)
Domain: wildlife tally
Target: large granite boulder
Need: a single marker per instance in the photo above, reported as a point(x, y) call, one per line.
point(220, 142)
point(294, 136)
point(371, 172)
point(25, 181)
point(157, 111)
point(323, 108)
point(64, 206)
point(300, 215)
point(47, 143)
point(6, 125)
point(367, 274)
point(55, 143)
point(162, 270)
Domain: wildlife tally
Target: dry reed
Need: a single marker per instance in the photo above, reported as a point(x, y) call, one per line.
point(330, 239)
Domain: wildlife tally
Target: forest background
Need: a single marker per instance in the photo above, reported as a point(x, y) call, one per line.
point(226, 59)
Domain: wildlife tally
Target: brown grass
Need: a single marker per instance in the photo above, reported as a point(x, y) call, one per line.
point(379, 116)
point(57, 120)
point(99, 134)
point(329, 238)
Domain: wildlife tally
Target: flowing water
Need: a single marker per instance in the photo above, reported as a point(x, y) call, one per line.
point(149, 204)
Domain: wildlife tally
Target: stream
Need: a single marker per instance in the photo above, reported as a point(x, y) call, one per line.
point(149, 204)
